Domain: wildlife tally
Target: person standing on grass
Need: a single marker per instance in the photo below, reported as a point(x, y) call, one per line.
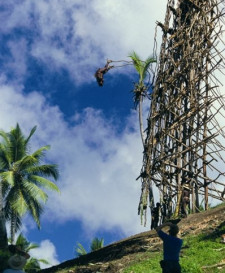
point(171, 248)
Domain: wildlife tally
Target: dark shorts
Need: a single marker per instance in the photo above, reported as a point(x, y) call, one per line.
point(170, 267)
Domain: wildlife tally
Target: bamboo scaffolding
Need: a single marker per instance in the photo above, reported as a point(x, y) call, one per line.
point(183, 136)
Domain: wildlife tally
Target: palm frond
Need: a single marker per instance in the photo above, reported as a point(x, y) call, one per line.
point(146, 66)
point(35, 209)
point(40, 153)
point(17, 144)
point(5, 157)
point(27, 197)
point(13, 195)
point(9, 214)
point(8, 177)
point(24, 163)
point(17, 203)
point(4, 135)
point(5, 187)
point(43, 182)
point(22, 242)
point(47, 170)
point(32, 265)
point(80, 250)
point(97, 244)
point(31, 190)
point(136, 62)
point(43, 261)
point(30, 135)
point(141, 66)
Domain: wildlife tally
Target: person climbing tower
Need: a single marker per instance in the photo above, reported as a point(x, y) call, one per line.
point(155, 216)
point(185, 203)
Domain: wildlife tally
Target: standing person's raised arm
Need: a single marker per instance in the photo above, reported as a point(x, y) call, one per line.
point(171, 247)
point(166, 224)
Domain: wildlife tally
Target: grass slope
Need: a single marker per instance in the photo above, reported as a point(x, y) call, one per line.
point(202, 251)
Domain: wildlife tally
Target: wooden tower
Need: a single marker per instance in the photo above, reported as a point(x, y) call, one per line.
point(184, 137)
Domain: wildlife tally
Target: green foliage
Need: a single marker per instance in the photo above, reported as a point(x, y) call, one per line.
point(140, 89)
point(96, 244)
point(23, 178)
point(80, 250)
point(33, 264)
point(24, 244)
point(141, 66)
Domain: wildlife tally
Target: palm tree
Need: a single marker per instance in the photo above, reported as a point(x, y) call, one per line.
point(80, 250)
point(23, 177)
point(95, 245)
point(140, 88)
point(33, 264)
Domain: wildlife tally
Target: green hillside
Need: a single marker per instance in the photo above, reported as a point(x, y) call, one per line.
point(202, 250)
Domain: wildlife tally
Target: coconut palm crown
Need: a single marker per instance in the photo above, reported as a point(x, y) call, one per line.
point(140, 88)
point(141, 67)
point(23, 178)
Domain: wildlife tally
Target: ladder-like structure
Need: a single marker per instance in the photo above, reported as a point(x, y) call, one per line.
point(184, 137)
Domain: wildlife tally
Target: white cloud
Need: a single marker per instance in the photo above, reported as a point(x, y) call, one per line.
point(80, 35)
point(17, 62)
point(98, 167)
point(47, 251)
point(99, 184)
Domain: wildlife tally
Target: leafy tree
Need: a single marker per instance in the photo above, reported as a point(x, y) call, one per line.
point(23, 177)
point(140, 88)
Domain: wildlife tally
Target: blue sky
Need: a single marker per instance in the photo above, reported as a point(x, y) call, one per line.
point(49, 52)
